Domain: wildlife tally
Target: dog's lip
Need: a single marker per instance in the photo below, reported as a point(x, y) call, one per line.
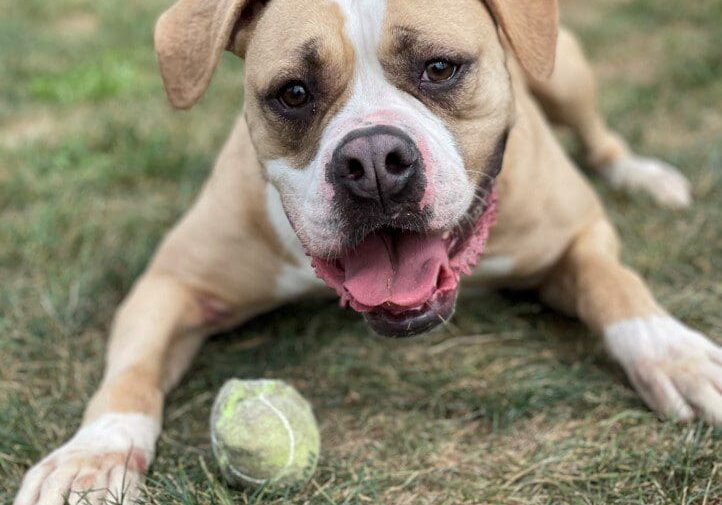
point(399, 300)
point(388, 323)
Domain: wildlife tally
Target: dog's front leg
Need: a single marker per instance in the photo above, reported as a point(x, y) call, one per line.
point(220, 266)
point(676, 370)
point(157, 331)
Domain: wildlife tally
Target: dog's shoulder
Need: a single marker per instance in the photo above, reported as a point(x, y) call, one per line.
point(544, 200)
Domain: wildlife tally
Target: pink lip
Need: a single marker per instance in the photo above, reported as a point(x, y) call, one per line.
point(401, 272)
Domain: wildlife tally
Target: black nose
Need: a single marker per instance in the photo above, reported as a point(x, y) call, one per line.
point(378, 163)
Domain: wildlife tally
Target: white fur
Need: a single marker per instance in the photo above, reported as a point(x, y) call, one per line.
point(116, 433)
point(662, 181)
point(82, 458)
point(496, 266)
point(373, 100)
point(298, 279)
point(675, 369)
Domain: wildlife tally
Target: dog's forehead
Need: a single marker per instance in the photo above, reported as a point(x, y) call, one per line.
point(358, 56)
point(368, 26)
point(289, 31)
point(372, 26)
point(363, 22)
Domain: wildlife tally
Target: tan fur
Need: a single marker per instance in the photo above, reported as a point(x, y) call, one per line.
point(486, 103)
point(544, 202)
point(527, 26)
point(277, 50)
point(590, 282)
point(189, 40)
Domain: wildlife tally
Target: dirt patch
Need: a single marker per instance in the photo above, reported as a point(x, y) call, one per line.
point(27, 129)
point(42, 126)
point(78, 25)
point(677, 135)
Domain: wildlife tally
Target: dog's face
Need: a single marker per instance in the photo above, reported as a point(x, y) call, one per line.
point(382, 124)
point(378, 113)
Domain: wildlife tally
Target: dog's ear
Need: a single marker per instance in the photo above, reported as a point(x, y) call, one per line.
point(531, 27)
point(190, 38)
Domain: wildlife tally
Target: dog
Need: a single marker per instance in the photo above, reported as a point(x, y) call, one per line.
point(387, 149)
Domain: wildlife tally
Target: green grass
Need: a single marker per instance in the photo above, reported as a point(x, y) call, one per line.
point(94, 167)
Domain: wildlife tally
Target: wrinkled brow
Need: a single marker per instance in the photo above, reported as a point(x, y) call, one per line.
point(305, 64)
point(410, 42)
point(405, 35)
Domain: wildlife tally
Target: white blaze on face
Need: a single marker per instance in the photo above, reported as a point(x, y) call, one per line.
point(306, 194)
point(297, 279)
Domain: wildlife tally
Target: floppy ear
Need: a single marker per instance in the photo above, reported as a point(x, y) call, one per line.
point(531, 28)
point(190, 38)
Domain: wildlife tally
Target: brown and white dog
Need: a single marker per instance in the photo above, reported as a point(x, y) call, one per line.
point(380, 140)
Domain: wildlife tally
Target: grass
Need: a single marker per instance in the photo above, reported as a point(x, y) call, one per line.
point(94, 167)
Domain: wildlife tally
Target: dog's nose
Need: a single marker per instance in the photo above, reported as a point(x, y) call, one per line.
point(377, 163)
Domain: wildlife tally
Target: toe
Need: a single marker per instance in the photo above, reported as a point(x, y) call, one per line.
point(100, 486)
point(32, 483)
point(661, 394)
point(705, 398)
point(714, 373)
point(124, 486)
point(57, 485)
point(88, 488)
point(84, 481)
point(715, 354)
point(671, 188)
point(673, 196)
point(89, 479)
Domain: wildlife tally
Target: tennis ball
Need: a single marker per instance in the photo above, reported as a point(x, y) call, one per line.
point(263, 433)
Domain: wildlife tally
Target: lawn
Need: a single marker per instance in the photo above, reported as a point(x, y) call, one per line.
point(511, 404)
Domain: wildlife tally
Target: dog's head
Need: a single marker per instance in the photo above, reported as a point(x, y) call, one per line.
point(381, 123)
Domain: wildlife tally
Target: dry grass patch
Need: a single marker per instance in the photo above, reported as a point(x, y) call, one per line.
point(27, 129)
point(79, 25)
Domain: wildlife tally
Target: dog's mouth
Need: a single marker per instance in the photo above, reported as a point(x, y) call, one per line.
point(404, 282)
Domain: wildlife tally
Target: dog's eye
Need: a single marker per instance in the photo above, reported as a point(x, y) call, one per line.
point(294, 95)
point(439, 71)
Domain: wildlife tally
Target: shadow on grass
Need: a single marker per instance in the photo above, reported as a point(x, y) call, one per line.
point(528, 361)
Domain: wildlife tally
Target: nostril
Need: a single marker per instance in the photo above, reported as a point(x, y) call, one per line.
point(396, 164)
point(355, 170)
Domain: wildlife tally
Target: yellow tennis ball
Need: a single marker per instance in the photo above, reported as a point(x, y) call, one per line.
point(264, 433)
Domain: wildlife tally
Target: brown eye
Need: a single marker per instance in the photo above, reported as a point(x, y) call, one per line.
point(294, 95)
point(439, 71)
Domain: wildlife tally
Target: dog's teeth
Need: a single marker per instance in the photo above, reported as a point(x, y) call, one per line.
point(446, 235)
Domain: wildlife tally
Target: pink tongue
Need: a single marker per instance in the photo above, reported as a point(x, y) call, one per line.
point(403, 271)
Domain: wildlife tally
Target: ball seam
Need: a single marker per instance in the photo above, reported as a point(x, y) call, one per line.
point(291, 436)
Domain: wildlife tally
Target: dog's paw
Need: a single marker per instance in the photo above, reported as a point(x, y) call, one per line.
point(676, 370)
point(661, 180)
point(104, 463)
